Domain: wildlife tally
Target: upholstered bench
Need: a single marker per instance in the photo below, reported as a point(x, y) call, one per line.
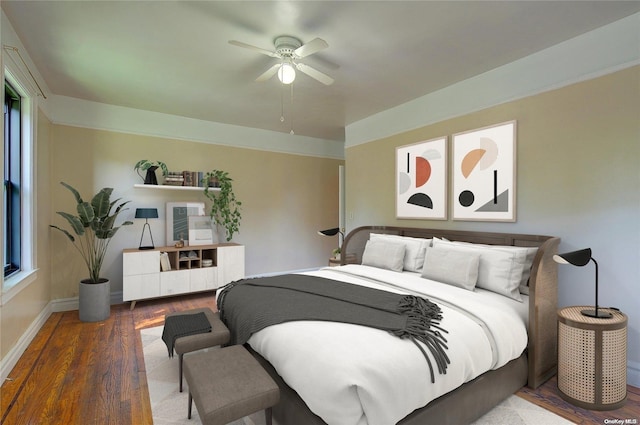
point(228, 384)
point(219, 335)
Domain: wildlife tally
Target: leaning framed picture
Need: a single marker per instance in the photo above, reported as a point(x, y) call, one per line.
point(421, 180)
point(484, 173)
point(200, 230)
point(178, 220)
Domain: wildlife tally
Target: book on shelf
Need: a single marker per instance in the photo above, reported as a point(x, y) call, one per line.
point(165, 264)
point(184, 178)
point(188, 178)
point(174, 178)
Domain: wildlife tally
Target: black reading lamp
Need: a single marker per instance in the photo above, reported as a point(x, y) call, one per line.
point(581, 258)
point(146, 213)
point(332, 232)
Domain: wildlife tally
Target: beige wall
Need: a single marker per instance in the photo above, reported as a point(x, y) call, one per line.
point(20, 312)
point(285, 198)
point(578, 177)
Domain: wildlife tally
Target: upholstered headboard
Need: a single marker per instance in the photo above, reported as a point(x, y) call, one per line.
point(543, 293)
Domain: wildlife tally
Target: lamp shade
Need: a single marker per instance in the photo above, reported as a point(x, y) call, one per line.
point(146, 213)
point(329, 232)
point(286, 73)
point(575, 258)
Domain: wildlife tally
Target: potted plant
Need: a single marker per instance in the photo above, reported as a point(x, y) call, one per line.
point(336, 253)
point(150, 167)
point(93, 227)
point(225, 208)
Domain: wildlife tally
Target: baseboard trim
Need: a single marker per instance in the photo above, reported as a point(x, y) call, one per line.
point(633, 373)
point(9, 361)
point(70, 304)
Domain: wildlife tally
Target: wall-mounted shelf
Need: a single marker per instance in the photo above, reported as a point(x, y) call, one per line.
point(167, 187)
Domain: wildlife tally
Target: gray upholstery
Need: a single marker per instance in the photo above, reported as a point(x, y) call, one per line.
point(219, 335)
point(228, 384)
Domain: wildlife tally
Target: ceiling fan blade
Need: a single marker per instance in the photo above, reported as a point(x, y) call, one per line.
point(254, 48)
point(311, 47)
point(268, 73)
point(315, 74)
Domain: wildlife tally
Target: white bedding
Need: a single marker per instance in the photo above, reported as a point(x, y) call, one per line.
point(355, 375)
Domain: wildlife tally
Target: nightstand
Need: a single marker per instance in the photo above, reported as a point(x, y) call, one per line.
point(351, 259)
point(592, 359)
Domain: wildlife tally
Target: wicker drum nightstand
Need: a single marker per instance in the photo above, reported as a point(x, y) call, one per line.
point(592, 359)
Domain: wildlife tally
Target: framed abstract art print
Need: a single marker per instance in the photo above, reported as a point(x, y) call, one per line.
point(484, 174)
point(421, 180)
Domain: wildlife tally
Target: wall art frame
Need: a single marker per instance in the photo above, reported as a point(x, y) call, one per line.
point(178, 220)
point(484, 173)
point(421, 180)
point(200, 230)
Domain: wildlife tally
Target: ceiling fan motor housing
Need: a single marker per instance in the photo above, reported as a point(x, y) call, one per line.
point(286, 45)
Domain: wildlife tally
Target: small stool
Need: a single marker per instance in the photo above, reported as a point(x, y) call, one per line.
point(228, 384)
point(219, 335)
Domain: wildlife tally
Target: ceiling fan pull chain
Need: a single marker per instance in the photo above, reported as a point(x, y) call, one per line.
point(281, 103)
point(291, 121)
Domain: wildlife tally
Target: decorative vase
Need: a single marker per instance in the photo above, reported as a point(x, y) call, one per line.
point(150, 178)
point(94, 300)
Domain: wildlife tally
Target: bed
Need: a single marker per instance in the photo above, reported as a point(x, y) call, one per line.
point(514, 332)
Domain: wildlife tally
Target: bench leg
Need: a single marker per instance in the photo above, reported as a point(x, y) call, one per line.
point(190, 404)
point(180, 369)
point(268, 416)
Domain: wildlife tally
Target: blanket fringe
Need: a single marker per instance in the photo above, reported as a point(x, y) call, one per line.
point(423, 318)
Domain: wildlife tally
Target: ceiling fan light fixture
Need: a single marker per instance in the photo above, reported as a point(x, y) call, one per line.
point(286, 73)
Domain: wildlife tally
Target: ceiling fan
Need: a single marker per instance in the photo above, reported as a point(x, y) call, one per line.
point(290, 50)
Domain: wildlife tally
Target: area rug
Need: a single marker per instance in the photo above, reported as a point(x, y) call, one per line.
point(169, 406)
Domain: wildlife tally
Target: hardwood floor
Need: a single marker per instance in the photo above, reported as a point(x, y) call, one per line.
point(94, 374)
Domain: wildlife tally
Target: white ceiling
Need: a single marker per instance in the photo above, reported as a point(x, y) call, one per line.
point(174, 56)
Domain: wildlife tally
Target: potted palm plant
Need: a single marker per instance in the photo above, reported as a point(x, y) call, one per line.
point(225, 208)
point(93, 227)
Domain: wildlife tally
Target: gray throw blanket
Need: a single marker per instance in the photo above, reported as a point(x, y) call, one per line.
point(181, 325)
point(250, 305)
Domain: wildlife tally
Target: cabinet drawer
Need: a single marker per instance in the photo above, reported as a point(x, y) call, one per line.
point(204, 279)
point(140, 286)
point(140, 262)
point(175, 282)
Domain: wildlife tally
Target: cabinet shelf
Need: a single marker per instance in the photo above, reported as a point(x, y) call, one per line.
point(167, 187)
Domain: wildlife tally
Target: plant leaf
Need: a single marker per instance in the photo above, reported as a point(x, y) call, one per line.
point(76, 194)
point(100, 202)
point(75, 222)
point(69, 235)
point(85, 213)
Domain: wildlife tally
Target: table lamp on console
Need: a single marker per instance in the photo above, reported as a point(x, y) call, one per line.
point(146, 213)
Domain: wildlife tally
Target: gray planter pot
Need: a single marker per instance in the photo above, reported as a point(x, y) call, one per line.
point(95, 300)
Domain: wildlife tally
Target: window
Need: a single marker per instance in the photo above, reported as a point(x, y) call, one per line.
point(12, 181)
point(18, 165)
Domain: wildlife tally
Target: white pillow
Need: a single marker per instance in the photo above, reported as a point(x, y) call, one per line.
point(384, 254)
point(524, 256)
point(499, 271)
point(414, 249)
point(448, 264)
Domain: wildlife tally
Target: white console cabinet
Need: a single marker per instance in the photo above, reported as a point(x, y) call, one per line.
point(188, 269)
